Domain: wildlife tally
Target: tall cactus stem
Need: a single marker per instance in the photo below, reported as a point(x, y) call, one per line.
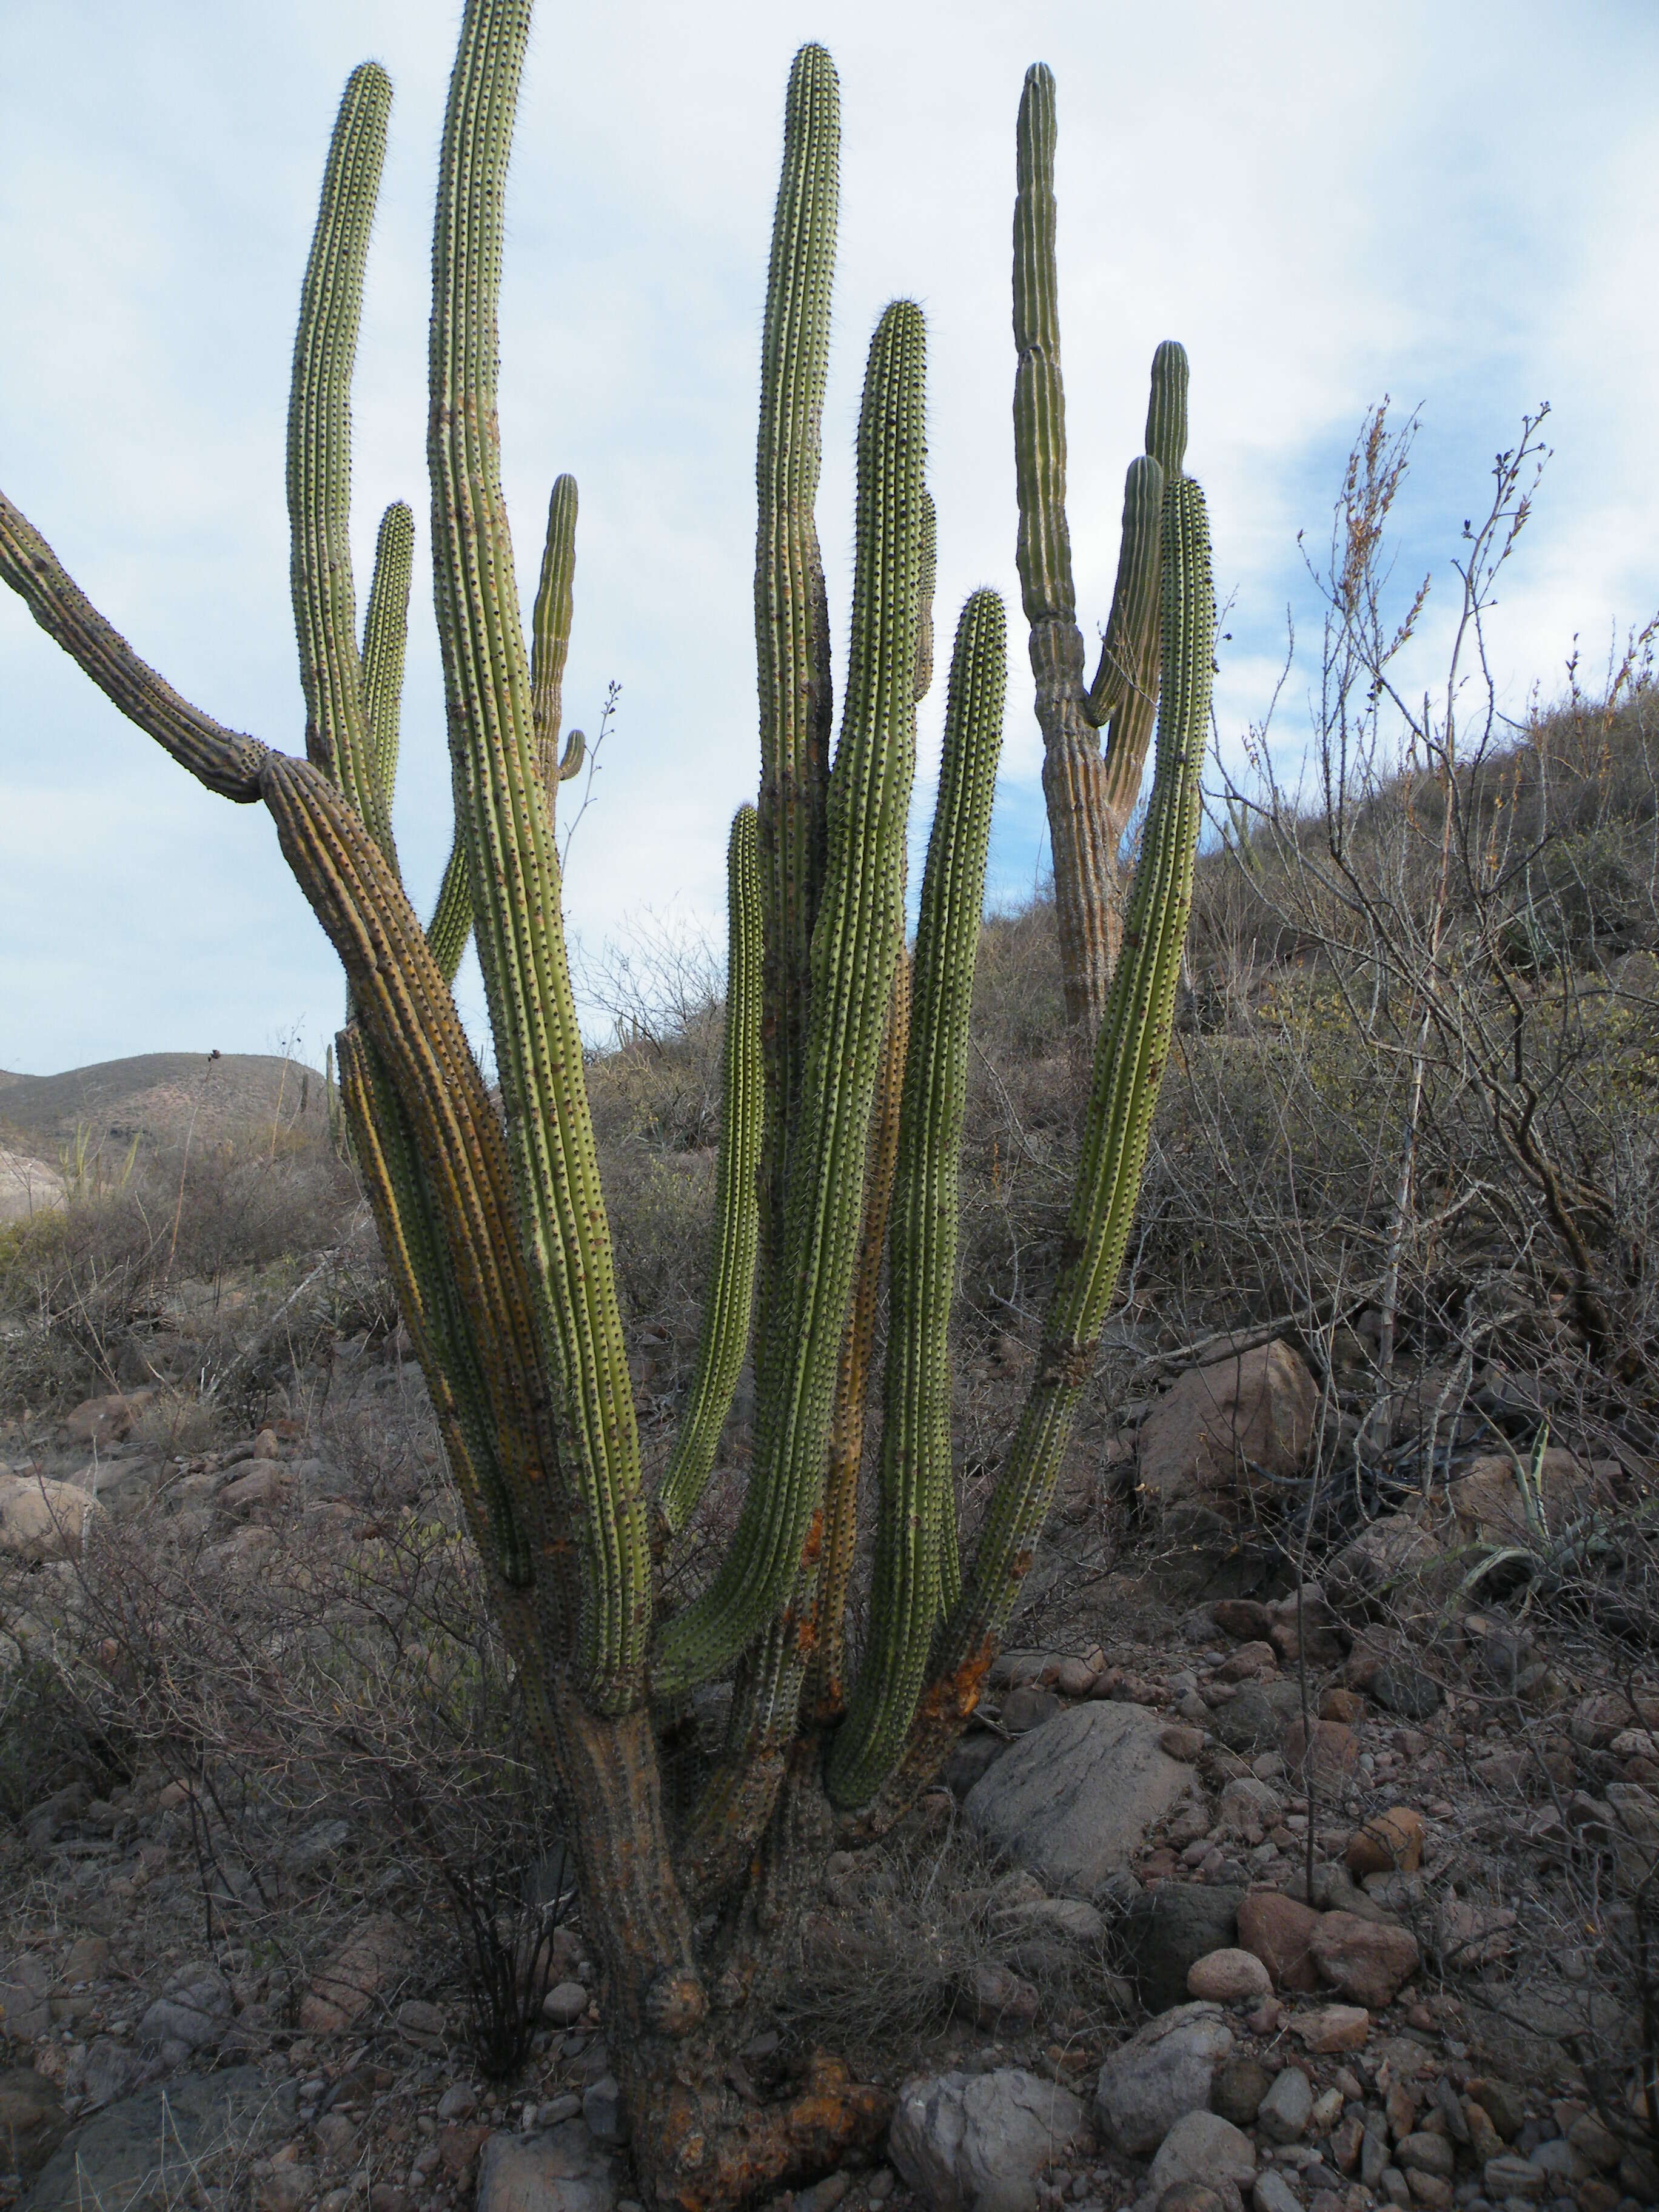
point(1166, 409)
point(452, 917)
point(826, 1689)
point(792, 615)
point(319, 448)
point(1129, 652)
point(736, 1214)
point(514, 867)
point(549, 632)
point(915, 1483)
point(1130, 1054)
point(386, 632)
point(859, 922)
point(925, 597)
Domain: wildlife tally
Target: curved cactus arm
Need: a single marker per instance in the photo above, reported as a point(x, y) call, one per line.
point(501, 810)
point(826, 1686)
point(228, 761)
point(859, 922)
point(1131, 639)
point(792, 615)
point(1166, 410)
point(549, 631)
point(916, 1445)
point(737, 1215)
point(319, 448)
point(1129, 1057)
point(574, 753)
point(386, 632)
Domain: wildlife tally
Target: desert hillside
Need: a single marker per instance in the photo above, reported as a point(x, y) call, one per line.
point(156, 1096)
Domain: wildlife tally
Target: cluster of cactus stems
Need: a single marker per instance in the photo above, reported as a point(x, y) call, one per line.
point(1092, 791)
point(844, 1070)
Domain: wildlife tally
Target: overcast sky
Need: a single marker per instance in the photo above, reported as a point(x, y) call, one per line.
point(1451, 203)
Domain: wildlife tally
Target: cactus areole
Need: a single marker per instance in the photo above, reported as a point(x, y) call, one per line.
point(843, 1087)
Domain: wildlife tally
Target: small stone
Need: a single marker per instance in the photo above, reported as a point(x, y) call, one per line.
point(1329, 1754)
point(1287, 2108)
point(1329, 2028)
point(1597, 2143)
point(1368, 1961)
point(1596, 2195)
point(88, 1956)
point(1426, 2154)
point(1391, 1842)
point(285, 2190)
point(1073, 1678)
point(557, 2109)
point(1182, 1741)
point(1025, 1709)
point(1238, 2088)
point(1503, 2101)
point(1189, 2197)
point(418, 2019)
point(1244, 1618)
point(879, 2187)
point(1339, 1705)
point(337, 2138)
point(1280, 1931)
point(1273, 2193)
point(1159, 2074)
point(458, 2102)
point(1374, 2155)
point(1510, 2175)
point(1230, 1978)
point(601, 2109)
point(996, 1994)
point(1202, 2147)
point(1395, 2185)
point(1348, 2141)
point(564, 2003)
point(387, 2196)
point(1327, 2112)
point(1430, 2189)
point(1406, 1692)
point(1484, 2138)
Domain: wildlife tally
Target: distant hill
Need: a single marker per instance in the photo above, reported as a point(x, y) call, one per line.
point(156, 1096)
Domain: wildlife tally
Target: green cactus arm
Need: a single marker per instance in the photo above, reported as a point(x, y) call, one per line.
point(1166, 410)
point(737, 1217)
point(792, 617)
point(452, 917)
point(925, 597)
point(513, 863)
point(1131, 636)
point(859, 922)
point(1129, 1059)
point(549, 631)
point(826, 1687)
point(386, 632)
point(319, 448)
point(571, 759)
point(1043, 550)
point(915, 1449)
point(227, 761)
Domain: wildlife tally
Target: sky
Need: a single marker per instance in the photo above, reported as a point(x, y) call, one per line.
point(1451, 204)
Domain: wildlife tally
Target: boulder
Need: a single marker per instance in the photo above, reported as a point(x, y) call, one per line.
point(562, 2169)
point(977, 2143)
point(1488, 1506)
point(1327, 2028)
point(1389, 1843)
point(1230, 1978)
point(1164, 2071)
point(1238, 2089)
point(342, 1991)
point(1406, 1692)
point(103, 1421)
point(1367, 1960)
point(1280, 1931)
point(132, 2154)
point(41, 1519)
point(1167, 1930)
point(1256, 1717)
point(1382, 1571)
point(1199, 1442)
point(195, 2012)
point(1074, 1800)
point(1202, 2147)
point(1328, 1751)
point(1283, 2113)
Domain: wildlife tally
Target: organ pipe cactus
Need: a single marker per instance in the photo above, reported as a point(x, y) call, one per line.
point(842, 1098)
point(1090, 792)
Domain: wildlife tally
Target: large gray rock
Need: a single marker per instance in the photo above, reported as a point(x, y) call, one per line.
point(1168, 1929)
point(1201, 1442)
point(132, 2154)
point(561, 2170)
point(977, 2143)
point(1073, 1801)
point(1257, 1718)
point(1149, 2082)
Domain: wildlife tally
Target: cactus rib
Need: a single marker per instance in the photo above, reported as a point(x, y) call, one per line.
point(514, 867)
point(859, 920)
point(736, 1216)
point(319, 448)
point(916, 1445)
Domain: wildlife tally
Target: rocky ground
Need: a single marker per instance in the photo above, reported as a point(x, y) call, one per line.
point(1327, 1894)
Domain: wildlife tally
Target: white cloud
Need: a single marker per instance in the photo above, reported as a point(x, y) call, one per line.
point(1324, 204)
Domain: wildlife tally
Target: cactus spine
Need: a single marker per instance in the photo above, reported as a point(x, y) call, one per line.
point(1090, 798)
